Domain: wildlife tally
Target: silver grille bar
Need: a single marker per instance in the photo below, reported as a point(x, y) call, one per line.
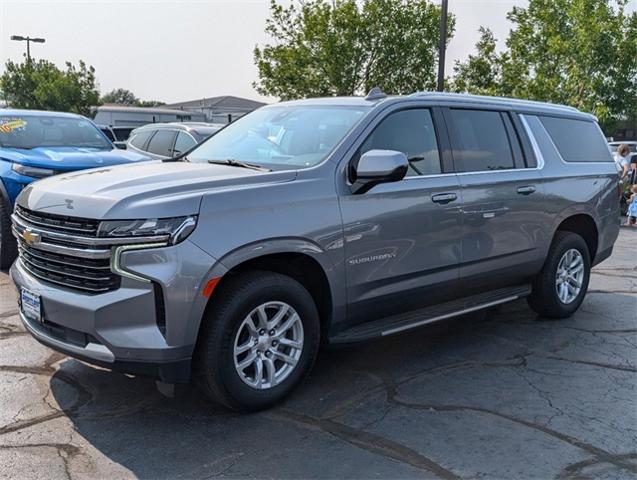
point(63, 250)
point(77, 239)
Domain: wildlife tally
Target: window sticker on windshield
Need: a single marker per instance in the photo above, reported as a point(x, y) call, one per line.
point(11, 125)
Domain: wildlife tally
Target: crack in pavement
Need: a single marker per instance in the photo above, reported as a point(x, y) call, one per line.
point(367, 441)
point(65, 451)
point(623, 292)
point(550, 355)
point(587, 362)
point(574, 470)
point(391, 392)
point(84, 397)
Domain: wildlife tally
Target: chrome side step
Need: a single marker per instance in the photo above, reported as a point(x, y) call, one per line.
point(391, 331)
point(410, 320)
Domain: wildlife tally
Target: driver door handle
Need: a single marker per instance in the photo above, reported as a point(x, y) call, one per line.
point(444, 198)
point(526, 190)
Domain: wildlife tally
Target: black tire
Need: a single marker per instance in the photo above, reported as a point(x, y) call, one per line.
point(230, 304)
point(8, 244)
point(544, 298)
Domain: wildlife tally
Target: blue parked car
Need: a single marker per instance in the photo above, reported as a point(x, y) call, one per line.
point(34, 145)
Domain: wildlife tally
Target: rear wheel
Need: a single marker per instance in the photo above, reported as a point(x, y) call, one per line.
point(259, 340)
point(559, 289)
point(8, 245)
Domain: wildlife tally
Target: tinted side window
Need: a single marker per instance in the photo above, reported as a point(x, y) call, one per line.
point(577, 140)
point(108, 133)
point(162, 143)
point(140, 139)
point(183, 143)
point(479, 141)
point(411, 132)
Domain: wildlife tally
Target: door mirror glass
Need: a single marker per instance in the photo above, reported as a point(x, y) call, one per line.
point(379, 166)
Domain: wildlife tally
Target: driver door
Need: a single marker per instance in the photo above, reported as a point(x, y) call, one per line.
point(402, 239)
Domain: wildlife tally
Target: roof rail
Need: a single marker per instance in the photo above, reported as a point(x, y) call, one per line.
point(375, 94)
point(487, 98)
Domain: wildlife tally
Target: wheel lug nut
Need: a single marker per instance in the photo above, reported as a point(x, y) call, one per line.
point(268, 354)
point(272, 332)
point(275, 343)
point(262, 332)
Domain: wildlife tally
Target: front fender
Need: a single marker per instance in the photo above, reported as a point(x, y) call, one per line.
point(271, 246)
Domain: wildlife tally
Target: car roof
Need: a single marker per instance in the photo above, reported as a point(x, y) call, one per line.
point(39, 113)
point(377, 98)
point(185, 126)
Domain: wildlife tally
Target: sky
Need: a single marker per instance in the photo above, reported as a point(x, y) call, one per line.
point(178, 50)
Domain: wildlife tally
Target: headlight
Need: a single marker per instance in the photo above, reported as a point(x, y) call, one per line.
point(34, 172)
point(175, 229)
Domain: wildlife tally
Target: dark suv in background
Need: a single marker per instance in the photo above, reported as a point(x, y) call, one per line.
point(166, 140)
point(314, 222)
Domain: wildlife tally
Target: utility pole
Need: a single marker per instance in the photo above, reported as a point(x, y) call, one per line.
point(442, 46)
point(19, 38)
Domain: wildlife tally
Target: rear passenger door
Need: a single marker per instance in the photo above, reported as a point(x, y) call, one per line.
point(502, 194)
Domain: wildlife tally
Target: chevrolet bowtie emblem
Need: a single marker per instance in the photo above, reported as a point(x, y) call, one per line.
point(30, 237)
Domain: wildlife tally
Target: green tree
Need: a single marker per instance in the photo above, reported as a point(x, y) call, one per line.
point(120, 96)
point(346, 47)
point(576, 52)
point(126, 97)
point(481, 73)
point(41, 85)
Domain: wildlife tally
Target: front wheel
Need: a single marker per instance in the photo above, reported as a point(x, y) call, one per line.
point(559, 289)
point(259, 340)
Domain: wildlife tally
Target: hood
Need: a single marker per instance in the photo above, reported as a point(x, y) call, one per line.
point(144, 190)
point(69, 158)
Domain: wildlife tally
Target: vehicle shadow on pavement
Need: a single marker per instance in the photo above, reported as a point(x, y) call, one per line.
point(499, 394)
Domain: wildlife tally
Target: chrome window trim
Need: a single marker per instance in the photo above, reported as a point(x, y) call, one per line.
point(558, 152)
point(534, 145)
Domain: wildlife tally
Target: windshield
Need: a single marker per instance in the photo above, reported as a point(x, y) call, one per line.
point(31, 131)
point(282, 137)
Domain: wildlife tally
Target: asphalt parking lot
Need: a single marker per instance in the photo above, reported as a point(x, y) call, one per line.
point(499, 395)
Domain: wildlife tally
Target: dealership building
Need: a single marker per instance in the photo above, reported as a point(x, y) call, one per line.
point(223, 109)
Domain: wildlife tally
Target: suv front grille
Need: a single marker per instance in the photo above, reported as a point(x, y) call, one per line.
point(73, 263)
point(67, 250)
point(59, 223)
point(93, 275)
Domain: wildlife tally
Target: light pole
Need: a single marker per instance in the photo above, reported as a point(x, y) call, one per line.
point(442, 46)
point(20, 38)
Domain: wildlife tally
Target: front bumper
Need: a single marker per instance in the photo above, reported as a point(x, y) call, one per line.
point(128, 329)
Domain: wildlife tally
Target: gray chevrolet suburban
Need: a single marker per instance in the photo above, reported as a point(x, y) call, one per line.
point(323, 221)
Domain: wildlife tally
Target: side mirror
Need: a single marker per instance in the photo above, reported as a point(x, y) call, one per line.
point(379, 166)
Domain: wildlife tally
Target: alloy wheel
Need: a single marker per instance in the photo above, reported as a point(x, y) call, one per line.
point(268, 345)
point(569, 276)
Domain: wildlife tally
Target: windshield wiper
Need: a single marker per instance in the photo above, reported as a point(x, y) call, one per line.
point(237, 163)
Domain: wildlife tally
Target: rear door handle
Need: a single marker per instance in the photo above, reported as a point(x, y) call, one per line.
point(444, 198)
point(526, 190)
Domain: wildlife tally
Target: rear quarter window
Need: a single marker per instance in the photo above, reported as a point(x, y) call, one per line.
point(139, 139)
point(577, 140)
